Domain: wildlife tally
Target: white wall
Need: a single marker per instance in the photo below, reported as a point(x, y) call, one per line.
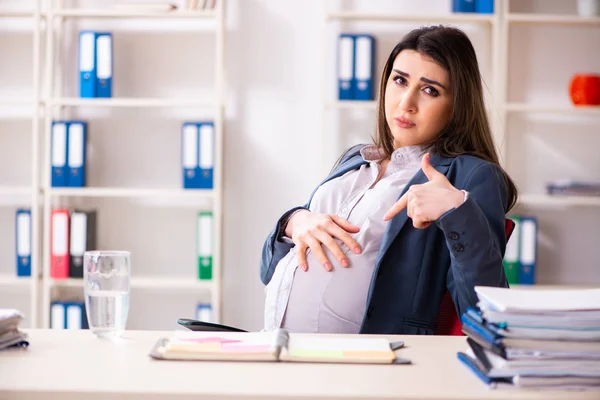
point(274, 135)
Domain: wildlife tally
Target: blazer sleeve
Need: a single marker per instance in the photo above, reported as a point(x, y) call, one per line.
point(476, 238)
point(274, 249)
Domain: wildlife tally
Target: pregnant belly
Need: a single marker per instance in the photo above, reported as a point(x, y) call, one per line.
point(330, 301)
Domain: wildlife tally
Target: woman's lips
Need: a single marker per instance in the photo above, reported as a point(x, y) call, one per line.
point(404, 123)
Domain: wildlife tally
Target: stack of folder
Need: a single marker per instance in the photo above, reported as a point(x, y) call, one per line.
point(10, 335)
point(534, 338)
point(573, 188)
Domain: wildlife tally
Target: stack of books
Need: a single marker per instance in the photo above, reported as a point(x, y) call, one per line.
point(10, 335)
point(534, 338)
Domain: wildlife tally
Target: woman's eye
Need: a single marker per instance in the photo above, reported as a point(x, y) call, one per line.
point(399, 80)
point(431, 91)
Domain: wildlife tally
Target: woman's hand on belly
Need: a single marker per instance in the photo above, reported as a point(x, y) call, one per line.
point(313, 230)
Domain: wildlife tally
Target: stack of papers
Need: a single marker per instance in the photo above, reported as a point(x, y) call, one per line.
point(10, 335)
point(534, 338)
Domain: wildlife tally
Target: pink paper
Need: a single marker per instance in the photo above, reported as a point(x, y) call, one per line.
point(212, 339)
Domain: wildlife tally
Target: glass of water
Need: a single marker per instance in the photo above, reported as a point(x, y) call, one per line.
point(106, 280)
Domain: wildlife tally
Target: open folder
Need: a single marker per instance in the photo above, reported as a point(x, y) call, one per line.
point(278, 345)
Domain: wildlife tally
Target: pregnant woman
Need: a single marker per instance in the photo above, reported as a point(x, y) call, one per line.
point(399, 222)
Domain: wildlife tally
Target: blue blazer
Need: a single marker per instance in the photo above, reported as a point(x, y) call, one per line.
point(415, 267)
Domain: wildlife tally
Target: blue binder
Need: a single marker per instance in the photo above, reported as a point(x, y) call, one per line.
point(346, 81)
point(204, 313)
point(463, 6)
point(68, 315)
point(87, 64)
point(206, 154)
point(189, 155)
point(76, 149)
point(59, 141)
point(58, 317)
point(528, 254)
point(23, 242)
point(75, 317)
point(104, 61)
point(364, 55)
point(484, 6)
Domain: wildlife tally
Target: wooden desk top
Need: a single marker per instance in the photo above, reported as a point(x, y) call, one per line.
point(75, 364)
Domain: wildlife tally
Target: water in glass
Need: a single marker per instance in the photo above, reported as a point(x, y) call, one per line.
point(106, 288)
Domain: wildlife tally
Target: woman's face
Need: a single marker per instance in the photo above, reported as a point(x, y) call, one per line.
point(418, 99)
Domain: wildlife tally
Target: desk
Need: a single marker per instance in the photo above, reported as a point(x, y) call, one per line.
point(76, 365)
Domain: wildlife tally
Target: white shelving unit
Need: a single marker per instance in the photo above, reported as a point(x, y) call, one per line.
point(456, 18)
point(149, 282)
point(48, 103)
point(536, 19)
point(530, 108)
point(31, 191)
point(526, 18)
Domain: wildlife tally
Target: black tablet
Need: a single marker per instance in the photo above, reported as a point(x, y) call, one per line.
point(196, 325)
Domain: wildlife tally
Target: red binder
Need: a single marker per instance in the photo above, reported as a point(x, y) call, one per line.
point(59, 244)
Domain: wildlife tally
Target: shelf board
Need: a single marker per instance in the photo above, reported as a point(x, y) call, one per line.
point(157, 282)
point(131, 192)
point(15, 281)
point(529, 18)
point(17, 14)
point(130, 102)
point(15, 191)
point(4, 101)
point(557, 200)
point(568, 109)
point(389, 17)
point(133, 12)
point(169, 283)
point(353, 104)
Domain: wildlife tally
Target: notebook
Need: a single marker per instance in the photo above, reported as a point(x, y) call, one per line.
point(278, 345)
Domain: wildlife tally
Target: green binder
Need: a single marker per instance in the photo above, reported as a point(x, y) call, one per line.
point(205, 245)
point(512, 253)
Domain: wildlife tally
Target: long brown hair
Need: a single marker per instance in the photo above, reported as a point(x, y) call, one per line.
point(468, 131)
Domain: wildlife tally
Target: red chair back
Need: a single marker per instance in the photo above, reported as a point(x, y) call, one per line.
point(448, 321)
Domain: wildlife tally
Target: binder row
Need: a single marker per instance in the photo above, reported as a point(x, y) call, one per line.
point(473, 6)
point(68, 315)
point(356, 54)
point(68, 153)
point(73, 232)
point(72, 315)
point(521, 251)
point(69, 148)
point(95, 64)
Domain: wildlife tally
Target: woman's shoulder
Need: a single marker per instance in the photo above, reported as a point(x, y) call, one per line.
point(469, 162)
point(469, 167)
point(349, 154)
